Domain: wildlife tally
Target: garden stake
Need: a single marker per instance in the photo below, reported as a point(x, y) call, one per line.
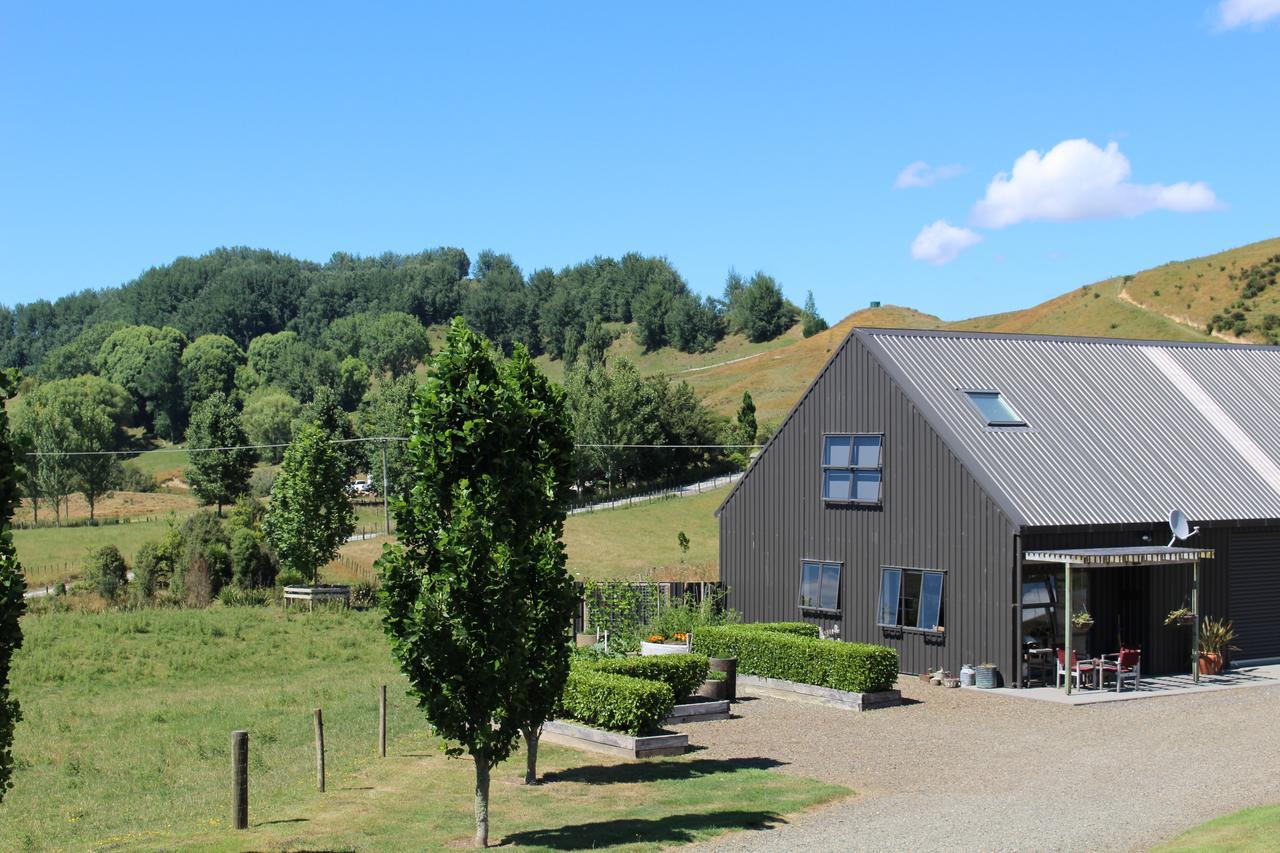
point(319, 751)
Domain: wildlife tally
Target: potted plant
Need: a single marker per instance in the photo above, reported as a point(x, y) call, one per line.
point(1181, 616)
point(1082, 621)
point(716, 686)
point(1215, 641)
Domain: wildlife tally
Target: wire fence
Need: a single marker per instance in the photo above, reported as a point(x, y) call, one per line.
point(651, 494)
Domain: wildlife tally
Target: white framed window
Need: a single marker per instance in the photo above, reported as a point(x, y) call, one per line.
point(852, 468)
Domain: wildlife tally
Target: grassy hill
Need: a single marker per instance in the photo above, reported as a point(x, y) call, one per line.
point(1177, 301)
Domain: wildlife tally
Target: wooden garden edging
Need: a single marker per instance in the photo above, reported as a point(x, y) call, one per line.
point(698, 712)
point(568, 733)
point(781, 689)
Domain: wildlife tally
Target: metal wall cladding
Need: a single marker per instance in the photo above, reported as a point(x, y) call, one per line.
point(934, 516)
point(1254, 590)
point(1110, 437)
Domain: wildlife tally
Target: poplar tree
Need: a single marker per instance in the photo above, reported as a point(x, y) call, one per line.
point(12, 586)
point(478, 604)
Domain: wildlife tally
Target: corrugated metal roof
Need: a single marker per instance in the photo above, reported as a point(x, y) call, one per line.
point(1117, 431)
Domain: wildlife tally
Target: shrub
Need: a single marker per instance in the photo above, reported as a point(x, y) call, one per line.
point(105, 572)
point(769, 653)
point(152, 568)
point(364, 594)
point(133, 480)
point(618, 703)
point(251, 566)
point(233, 596)
point(288, 577)
point(203, 540)
point(682, 673)
point(797, 629)
point(686, 616)
point(261, 481)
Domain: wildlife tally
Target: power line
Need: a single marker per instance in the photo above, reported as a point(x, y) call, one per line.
point(382, 438)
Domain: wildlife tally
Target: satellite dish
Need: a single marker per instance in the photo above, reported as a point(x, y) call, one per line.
point(1180, 526)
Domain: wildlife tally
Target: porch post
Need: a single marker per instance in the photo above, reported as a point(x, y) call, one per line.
point(1066, 623)
point(1195, 630)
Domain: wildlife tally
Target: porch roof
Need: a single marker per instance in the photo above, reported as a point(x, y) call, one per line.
point(1139, 555)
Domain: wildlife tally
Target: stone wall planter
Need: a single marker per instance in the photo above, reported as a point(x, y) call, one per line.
point(568, 733)
point(820, 695)
point(663, 648)
point(697, 712)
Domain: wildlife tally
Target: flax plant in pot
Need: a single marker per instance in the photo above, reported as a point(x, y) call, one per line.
point(1216, 636)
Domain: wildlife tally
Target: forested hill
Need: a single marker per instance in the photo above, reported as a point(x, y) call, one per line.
point(244, 294)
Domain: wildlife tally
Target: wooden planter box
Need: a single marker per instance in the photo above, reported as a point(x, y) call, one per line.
point(647, 649)
point(697, 712)
point(820, 695)
point(567, 733)
point(312, 594)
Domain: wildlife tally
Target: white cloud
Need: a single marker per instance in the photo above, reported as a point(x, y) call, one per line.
point(941, 243)
point(921, 174)
point(1078, 180)
point(1238, 13)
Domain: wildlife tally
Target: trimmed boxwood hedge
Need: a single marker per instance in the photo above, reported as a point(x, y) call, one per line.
point(619, 703)
point(799, 629)
point(682, 673)
point(769, 653)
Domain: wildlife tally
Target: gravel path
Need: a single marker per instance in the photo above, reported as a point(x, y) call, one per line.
point(964, 770)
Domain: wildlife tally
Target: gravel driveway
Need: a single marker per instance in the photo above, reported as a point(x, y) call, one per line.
point(965, 770)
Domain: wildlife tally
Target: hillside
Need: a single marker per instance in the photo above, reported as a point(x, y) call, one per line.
point(1176, 301)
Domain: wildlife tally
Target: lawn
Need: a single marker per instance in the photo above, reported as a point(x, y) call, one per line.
point(164, 463)
point(1255, 829)
point(125, 743)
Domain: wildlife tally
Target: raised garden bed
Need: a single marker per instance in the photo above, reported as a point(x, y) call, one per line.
point(312, 594)
point(648, 649)
point(821, 695)
point(568, 733)
point(697, 712)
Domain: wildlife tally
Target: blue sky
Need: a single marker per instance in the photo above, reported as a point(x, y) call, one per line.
point(717, 134)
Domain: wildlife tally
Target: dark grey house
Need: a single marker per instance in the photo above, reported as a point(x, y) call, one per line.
point(898, 499)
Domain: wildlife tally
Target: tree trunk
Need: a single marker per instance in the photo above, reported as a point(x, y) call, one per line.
point(482, 798)
point(89, 497)
point(531, 737)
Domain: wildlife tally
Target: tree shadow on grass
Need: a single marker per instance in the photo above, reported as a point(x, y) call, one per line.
point(673, 829)
point(656, 771)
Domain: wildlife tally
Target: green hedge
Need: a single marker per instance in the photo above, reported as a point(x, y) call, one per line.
point(799, 629)
point(769, 653)
point(682, 673)
point(619, 703)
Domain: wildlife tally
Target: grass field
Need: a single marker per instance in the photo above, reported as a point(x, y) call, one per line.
point(163, 464)
point(52, 554)
point(629, 542)
point(125, 745)
point(1254, 830)
point(117, 505)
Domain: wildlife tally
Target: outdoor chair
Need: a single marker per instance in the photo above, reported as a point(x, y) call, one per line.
point(1125, 666)
point(1081, 672)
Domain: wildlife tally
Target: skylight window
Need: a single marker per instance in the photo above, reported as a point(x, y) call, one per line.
point(993, 407)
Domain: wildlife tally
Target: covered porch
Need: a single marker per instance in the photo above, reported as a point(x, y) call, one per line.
point(1082, 607)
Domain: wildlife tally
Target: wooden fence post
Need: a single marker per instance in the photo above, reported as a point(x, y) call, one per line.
point(382, 721)
point(240, 780)
point(319, 750)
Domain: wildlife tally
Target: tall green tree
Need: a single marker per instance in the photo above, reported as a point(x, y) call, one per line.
point(811, 321)
point(758, 310)
point(218, 476)
point(75, 425)
point(208, 367)
point(487, 454)
point(309, 516)
point(146, 361)
point(746, 418)
point(268, 419)
point(325, 410)
point(12, 587)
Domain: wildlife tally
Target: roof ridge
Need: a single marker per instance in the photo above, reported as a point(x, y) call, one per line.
point(874, 331)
